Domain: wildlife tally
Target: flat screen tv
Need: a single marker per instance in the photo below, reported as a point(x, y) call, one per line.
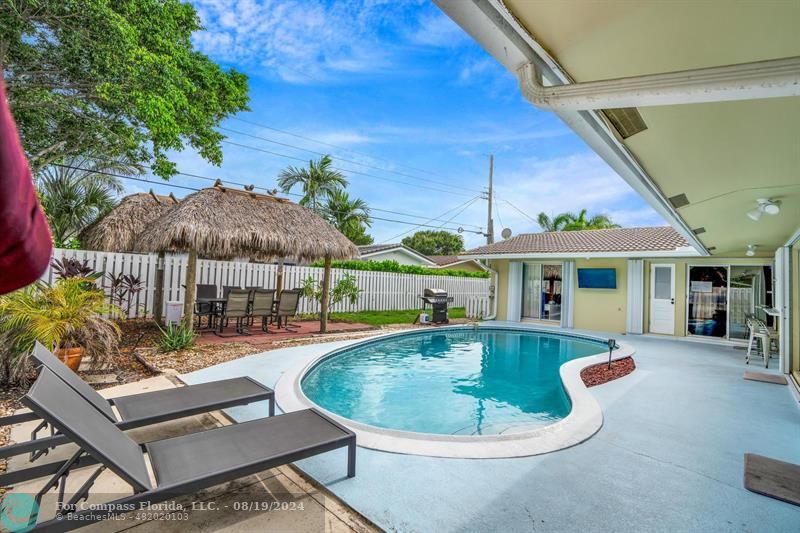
point(597, 278)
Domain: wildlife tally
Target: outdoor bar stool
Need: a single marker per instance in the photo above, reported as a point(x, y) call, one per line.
point(762, 337)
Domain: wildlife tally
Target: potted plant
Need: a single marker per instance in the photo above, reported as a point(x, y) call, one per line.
point(67, 317)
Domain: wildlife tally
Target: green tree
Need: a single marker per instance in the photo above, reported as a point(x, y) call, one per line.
point(73, 198)
point(319, 181)
point(573, 222)
point(433, 242)
point(350, 216)
point(122, 77)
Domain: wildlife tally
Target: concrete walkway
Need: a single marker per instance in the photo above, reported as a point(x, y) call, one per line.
point(668, 458)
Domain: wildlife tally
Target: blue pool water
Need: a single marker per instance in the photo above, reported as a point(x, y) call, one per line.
point(462, 381)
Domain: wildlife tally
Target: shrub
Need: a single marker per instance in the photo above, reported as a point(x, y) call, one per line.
point(176, 337)
point(393, 266)
point(66, 315)
point(344, 289)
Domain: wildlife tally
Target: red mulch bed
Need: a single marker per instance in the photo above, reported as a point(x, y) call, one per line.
point(599, 374)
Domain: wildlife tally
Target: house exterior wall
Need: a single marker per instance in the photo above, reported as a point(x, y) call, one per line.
point(606, 309)
point(400, 257)
point(468, 266)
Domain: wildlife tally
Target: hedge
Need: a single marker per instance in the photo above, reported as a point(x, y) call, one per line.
point(394, 266)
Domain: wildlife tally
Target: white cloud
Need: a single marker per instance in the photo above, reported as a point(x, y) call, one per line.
point(437, 29)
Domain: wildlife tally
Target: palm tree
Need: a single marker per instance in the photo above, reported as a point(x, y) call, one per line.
point(573, 222)
point(319, 181)
point(77, 193)
point(350, 216)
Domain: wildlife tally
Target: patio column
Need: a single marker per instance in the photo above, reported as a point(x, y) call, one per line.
point(567, 293)
point(326, 290)
point(188, 300)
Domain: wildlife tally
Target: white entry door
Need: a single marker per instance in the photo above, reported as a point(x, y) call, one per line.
point(662, 299)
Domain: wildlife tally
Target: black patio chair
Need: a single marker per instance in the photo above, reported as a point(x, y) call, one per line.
point(236, 307)
point(287, 307)
point(205, 309)
point(262, 306)
point(134, 411)
point(182, 465)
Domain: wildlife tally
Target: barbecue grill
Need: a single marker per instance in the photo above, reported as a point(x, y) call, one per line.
point(438, 300)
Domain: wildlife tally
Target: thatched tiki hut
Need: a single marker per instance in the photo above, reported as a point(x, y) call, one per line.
point(222, 223)
point(117, 231)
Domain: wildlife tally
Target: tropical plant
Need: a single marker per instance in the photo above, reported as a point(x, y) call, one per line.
point(176, 337)
point(349, 216)
point(124, 287)
point(123, 77)
point(393, 266)
point(70, 267)
point(319, 181)
point(345, 288)
point(68, 314)
point(433, 242)
point(79, 192)
point(573, 222)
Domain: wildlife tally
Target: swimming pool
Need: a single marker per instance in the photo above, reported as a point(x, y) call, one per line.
point(450, 381)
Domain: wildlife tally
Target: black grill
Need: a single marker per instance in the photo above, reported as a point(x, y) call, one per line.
point(438, 300)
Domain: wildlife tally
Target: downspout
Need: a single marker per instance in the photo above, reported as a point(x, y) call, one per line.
point(494, 293)
point(747, 81)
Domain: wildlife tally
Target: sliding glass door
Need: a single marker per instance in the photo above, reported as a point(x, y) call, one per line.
point(541, 291)
point(720, 298)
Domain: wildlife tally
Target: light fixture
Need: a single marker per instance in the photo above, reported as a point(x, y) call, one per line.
point(751, 250)
point(765, 205)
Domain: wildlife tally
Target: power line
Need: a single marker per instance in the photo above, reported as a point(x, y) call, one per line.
point(439, 217)
point(194, 189)
point(523, 213)
point(323, 143)
point(347, 170)
point(339, 158)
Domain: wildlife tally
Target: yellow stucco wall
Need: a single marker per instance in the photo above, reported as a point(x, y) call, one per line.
point(602, 309)
point(501, 291)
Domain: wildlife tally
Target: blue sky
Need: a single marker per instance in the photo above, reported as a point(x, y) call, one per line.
point(408, 98)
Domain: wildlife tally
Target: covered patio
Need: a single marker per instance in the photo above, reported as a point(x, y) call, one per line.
point(668, 457)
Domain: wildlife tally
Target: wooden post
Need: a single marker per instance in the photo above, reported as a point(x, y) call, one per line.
point(188, 301)
point(158, 295)
point(279, 279)
point(326, 294)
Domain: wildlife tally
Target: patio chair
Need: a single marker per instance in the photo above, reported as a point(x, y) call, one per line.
point(226, 290)
point(205, 309)
point(236, 307)
point(262, 306)
point(181, 465)
point(287, 307)
point(134, 411)
point(762, 337)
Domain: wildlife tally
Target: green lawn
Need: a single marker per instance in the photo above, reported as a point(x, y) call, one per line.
point(382, 318)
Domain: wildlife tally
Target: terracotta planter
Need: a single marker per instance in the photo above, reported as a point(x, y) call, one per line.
point(71, 357)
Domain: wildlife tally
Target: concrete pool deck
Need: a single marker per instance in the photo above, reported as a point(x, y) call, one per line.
point(669, 456)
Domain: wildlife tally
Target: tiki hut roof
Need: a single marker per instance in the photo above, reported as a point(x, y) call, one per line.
point(117, 231)
point(222, 223)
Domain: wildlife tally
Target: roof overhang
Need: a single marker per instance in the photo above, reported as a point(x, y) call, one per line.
point(474, 261)
point(601, 41)
point(403, 250)
point(681, 252)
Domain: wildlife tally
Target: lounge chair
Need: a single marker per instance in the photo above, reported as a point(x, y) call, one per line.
point(262, 303)
point(236, 307)
point(135, 411)
point(181, 465)
point(287, 307)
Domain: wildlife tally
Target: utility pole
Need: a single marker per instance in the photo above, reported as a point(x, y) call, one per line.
point(489, 221)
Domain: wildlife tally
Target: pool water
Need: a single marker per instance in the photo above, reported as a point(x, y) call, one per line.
point(463, 381)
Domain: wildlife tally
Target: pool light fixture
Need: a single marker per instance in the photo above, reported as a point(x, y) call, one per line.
point(764, 205)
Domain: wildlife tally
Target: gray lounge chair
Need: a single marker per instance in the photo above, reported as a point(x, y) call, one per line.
point(181, 465)
point(135, 411)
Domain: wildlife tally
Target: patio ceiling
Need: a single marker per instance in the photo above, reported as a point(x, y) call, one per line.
point(723, 155)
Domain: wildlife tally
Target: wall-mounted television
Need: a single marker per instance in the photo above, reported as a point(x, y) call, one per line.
point(597, 278)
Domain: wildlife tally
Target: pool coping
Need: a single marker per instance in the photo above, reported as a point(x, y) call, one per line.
point(583, 421)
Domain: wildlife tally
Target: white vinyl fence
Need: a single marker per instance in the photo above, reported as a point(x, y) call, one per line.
point(380, 291)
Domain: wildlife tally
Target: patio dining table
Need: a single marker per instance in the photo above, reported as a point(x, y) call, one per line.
point(217, 305)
